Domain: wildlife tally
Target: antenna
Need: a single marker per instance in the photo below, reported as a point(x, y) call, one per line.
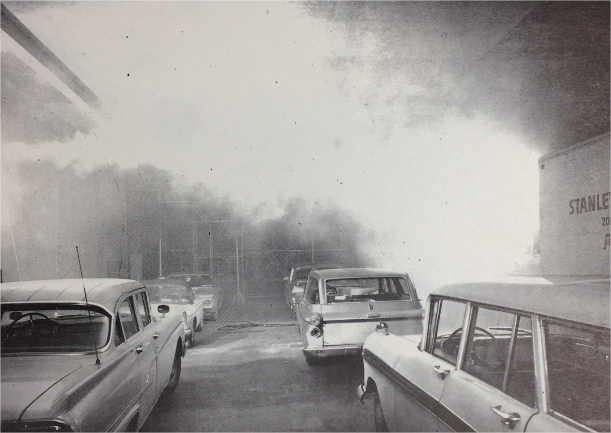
point(97, 359)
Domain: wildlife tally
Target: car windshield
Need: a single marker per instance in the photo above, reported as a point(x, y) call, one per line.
point(168, 294)
point(193, 280)
point(301, 274)
point(53, 328)
point(204, 291)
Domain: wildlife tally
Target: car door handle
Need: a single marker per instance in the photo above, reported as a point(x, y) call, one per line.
point(155, 335)
point(441, 372)
point(139, 349)
point(509, 419)
point(373, 315)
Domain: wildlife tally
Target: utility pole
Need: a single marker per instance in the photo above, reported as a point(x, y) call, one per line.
point(160, 236)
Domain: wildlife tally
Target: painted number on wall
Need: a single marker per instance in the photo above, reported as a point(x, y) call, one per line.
point(605, 221)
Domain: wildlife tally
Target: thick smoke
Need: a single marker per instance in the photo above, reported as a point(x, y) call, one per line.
point(119, 218)
point(540, 70)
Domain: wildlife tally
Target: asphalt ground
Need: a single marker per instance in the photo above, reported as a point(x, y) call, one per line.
point(247, 372)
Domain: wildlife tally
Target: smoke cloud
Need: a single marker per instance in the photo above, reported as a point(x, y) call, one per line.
point(539, 69)
point(115, 215)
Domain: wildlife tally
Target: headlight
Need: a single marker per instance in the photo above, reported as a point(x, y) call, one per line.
point(184, 318)
point(208, 301)
point(313, 319)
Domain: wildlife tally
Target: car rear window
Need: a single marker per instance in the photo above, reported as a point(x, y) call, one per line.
point(53, 328)
point(367, 289)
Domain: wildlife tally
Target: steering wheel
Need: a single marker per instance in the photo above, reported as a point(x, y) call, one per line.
point(452, 348)
point(46, 320)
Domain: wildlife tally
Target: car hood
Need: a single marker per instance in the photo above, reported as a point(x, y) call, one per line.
point(24, 379)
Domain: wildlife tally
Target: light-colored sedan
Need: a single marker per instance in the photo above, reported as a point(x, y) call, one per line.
point(72, 362)
point(340, 307)
point(183, 301)
point(294, 284)
point(205, 290)
point(520, 354)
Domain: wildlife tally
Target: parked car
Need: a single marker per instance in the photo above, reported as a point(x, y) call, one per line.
point(294, 284)
point(522, 354)
point(184, 302)
point(76, 363)
point(206, 291)
point(341, 307)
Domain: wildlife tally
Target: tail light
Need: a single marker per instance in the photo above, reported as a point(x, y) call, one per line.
point(313, 319)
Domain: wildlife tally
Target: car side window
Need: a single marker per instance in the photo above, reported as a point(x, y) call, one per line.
point(500, 352)
point(578, 372)
point(119, 337)
point(311, 291)
point(447, 329)
point(127, 316)
point(143, 309)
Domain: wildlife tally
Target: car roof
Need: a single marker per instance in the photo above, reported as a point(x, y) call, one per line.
point(356, 273)
point(101, 291)
point(570, 298)
point(164, 283)
point(316, 265)
point(188, 274)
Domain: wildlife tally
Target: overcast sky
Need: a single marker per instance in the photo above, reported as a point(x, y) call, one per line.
point(263, 102)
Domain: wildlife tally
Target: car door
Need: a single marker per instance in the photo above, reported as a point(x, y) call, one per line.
point(120, 392)
point(494, 388)
point(163, 326)
point(148, 352)
point(352, 307)
point(421, 375)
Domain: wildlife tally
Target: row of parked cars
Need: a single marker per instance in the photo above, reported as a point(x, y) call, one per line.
point(96, 354)
point(513, 354)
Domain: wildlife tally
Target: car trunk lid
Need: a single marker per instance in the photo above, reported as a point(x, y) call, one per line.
point(23, 380)
point(350, 322)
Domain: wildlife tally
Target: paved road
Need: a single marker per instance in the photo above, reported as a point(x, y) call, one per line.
point(247, 373)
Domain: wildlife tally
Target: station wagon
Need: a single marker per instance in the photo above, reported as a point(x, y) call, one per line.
point(520, 354)
point(340, 307)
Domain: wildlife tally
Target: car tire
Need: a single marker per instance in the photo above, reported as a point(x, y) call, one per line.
point(199, 327)
point(312, 360)
point(174, 374)
point(133, 424)
point(378, 414)
point(191, 340)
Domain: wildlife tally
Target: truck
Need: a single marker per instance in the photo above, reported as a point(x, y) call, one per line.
point(574, 203)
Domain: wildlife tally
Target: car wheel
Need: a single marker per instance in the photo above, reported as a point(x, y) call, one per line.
point(378, 414)
point(191, 340)
point(199, 327)
point(312, 360)
point(133, 424)
point(174, 374)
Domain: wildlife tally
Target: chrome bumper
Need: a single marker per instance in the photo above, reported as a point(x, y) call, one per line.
point(360, 392)
point(326, 352)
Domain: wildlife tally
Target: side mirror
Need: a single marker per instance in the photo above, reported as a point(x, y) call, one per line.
point(163, 309)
